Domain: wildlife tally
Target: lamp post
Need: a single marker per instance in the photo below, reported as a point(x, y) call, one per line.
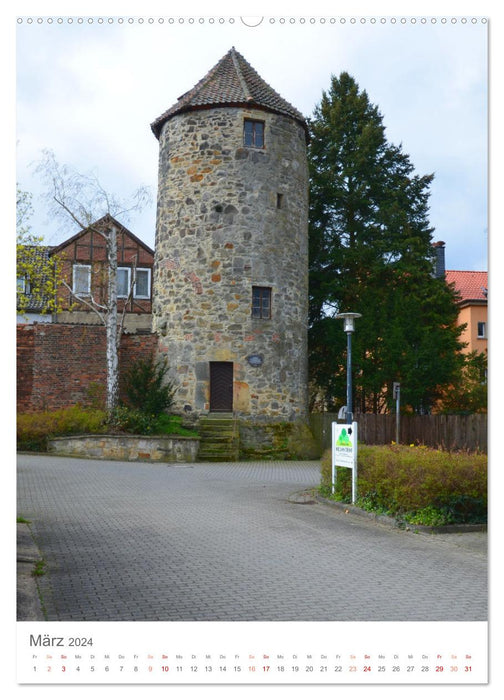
point(396, 389)
point(349, 327)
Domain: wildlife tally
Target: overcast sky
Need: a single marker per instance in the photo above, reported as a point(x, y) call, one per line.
point(88, 90)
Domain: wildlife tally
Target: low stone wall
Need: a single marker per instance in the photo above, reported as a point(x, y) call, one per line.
point(166, 448)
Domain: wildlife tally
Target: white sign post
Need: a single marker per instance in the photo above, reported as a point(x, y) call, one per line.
point(344, 452)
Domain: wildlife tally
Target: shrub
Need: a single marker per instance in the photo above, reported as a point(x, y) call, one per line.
point(146, 387)
point(416, 483)
point(33, 429)
point(130, 420)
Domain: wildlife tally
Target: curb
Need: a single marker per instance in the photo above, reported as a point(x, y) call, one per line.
point(401, 525)
point(29, 607)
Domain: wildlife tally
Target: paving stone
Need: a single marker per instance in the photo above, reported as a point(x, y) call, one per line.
point(137, 541)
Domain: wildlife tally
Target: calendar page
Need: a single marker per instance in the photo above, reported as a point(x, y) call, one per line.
point(147, 557)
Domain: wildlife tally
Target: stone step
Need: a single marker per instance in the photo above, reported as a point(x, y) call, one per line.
point(216, 449)
point(221, 457)
point(219, 439)
point(217, 444)
point(224, 434)
point(217, 421)
point(218, 415)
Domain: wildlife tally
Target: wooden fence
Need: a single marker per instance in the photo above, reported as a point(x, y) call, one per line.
point(450, 432)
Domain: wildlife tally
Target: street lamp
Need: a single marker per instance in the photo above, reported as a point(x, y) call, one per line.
point(349, 327)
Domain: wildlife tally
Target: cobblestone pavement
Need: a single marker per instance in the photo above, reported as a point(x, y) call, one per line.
point(135, 541)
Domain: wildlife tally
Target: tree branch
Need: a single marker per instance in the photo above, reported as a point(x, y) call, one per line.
point(77, 220)
point(87, 303)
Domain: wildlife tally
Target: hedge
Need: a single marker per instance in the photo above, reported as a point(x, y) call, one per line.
point(33, 429)
point(408, 481)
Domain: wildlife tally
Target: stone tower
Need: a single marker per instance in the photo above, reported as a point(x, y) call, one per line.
point(231, 256)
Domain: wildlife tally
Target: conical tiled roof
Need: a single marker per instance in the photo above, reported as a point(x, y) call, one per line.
point(232, 83)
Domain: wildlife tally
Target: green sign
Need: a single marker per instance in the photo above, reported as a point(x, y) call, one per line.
point(344, 445)
point(344, 452)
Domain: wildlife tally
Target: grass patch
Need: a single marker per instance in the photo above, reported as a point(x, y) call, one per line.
point(20, 519)
point(416, 485)
point(134, 422)
point(39, 568)
point(172, 425)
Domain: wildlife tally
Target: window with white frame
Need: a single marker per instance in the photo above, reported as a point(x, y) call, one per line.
point(23, 285)
point(81, 283)
point(142, 284)
point(482, 329)
point(123, 281)
point(141, 288)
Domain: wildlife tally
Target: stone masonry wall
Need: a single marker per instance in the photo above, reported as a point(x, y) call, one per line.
point(60, 365)
point(132, 448)
point(230, 218)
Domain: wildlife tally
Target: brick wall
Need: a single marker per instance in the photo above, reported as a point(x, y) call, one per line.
point(24, 361)
point(59, 365)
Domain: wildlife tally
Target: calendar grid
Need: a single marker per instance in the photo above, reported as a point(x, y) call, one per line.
point(253, 653)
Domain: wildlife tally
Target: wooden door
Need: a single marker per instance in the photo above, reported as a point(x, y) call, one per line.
point(221, 386)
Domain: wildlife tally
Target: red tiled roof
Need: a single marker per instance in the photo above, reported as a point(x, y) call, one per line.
point(231, 82)
point(472, 286)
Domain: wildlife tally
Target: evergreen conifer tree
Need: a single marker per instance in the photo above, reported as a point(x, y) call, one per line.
point(371, 252)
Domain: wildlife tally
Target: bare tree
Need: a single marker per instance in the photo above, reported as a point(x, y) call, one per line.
point(81, 199)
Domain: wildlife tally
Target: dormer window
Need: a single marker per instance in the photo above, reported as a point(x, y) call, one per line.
point(253, 133)
point(23, 285)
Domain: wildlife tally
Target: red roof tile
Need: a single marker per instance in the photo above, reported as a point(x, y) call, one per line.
point(231, 82)
point(472, 286)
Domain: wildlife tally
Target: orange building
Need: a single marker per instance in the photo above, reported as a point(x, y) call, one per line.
point(473, 291)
